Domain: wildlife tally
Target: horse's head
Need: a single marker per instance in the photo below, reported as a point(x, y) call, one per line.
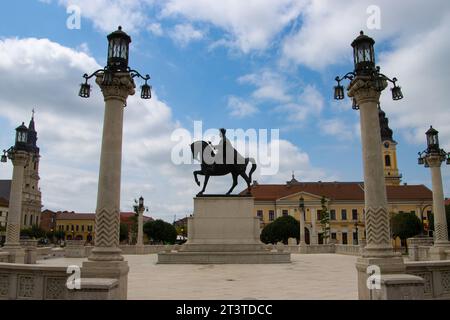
point(199, 147)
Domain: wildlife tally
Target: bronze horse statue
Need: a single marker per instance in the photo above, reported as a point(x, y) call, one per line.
point(206, 150)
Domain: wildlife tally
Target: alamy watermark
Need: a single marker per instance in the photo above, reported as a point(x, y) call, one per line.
point(374, 19)
point(74, 280)
point(235, 146)
point(74, 19)
point(374, 279)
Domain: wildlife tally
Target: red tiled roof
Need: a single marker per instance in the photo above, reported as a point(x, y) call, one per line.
point(338, 191)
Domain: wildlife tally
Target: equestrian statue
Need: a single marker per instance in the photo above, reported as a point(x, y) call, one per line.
point(221, 160)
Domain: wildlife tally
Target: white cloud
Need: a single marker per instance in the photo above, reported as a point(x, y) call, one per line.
point(269, 85)
point(250, 25)
point(337, 128)
point(240, 108)
point(156, 29)
point(183, 34)
point(309, 103)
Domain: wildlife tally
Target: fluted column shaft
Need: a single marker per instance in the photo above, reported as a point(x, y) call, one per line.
point(440, 219)
point(107, 218)
point(377, 216)
point(140, 233)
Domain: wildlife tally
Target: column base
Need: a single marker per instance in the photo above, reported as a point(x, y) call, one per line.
point(379, 252)
point(16, 253)
point(440, 251)
point(109, 269)
point(381, 266)
point(400, 287)
point(106, 254)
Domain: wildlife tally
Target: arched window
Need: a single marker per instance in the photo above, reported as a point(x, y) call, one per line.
point(387, 160)
point(25, 220)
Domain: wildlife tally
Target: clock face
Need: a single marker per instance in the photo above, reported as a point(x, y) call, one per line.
point(386, 145)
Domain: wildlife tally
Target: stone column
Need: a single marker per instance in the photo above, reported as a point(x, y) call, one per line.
point(12, 242)
point(140, 234)
point(441, 243)
point(302, 228)
point(378, 251)
point(313, 237)
point(106, 259)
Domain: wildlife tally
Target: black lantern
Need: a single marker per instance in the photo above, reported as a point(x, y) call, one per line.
point(85, 90)
point(339, 92)
point(364, 54)
point(141, 202)
point(448, 160)
point(21, 137)
point(118, 50)
point(4, 157)
point(146, 91)
point(396, 92)
point(421, 161)
point(433, 140)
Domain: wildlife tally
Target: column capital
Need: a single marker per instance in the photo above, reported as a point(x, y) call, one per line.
point(363, 90)
point(119, 88)
point(434, 160)
point(19, 158)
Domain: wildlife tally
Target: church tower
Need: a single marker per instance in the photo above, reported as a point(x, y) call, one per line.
point(389, 150)
point(31, 203)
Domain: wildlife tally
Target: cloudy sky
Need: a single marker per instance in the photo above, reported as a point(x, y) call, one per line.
point(256, 64)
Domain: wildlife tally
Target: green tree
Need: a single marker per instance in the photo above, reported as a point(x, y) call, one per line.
point(405, 225)
point(123, 233)
point(35, 232)
point(60, 234)
point(281, 230)
point(325, 221)
point(160, 231)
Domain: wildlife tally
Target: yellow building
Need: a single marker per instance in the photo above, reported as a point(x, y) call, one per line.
point(345, 202)
point(389, 151)
point(77, 226)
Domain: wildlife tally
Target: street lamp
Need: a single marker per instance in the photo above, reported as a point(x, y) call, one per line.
point(364, 66)
point(433, 150)
point(356, 231)
point(432, 158)
point(118, 56)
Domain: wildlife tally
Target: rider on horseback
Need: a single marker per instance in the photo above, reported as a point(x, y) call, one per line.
point(226, 154)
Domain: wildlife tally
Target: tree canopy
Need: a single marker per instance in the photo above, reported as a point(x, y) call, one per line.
point(281, 230)
point(160, 231)
point(405, 225)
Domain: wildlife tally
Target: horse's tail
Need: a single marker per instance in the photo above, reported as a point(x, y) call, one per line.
point(253, 169)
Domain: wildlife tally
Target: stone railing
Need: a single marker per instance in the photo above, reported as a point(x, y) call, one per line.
point(38, 282)
point(436, 275)
point(351, 250)
point(318, 249)
point(4, 256)
point(418, 248)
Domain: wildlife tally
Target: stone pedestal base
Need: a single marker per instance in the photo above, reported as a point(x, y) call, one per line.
point(400, 287)
point(109, 269)
point(16, 254)
point(415, 243)
point(385, 266)
point(439, 252)
point(223, 230)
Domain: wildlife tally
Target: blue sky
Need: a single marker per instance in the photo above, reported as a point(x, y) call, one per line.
point(259, 64)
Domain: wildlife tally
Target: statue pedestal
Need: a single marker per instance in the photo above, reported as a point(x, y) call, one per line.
point(223, 230)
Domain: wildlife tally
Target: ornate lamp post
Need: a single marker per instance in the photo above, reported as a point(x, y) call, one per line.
point(366, 85)
point(116, 81)
point(432, 158)
point(301, 206)
point(19, 156)
point(139, 209)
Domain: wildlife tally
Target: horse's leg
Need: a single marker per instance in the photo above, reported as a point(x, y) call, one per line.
point(235, 176)
point(196, 178)
point(204, 185)
point(247, 180)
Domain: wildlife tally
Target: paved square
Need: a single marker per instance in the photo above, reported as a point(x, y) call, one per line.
point(314, 276)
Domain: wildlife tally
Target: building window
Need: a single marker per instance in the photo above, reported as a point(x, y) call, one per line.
point(285, 213)
point(67, 228)
point(355, 214)
point(344, 214)
point(71, 227)
point(332, 214)
point(271, 215)
point(77, 228)
point(25, 220)
point(319, 215)
point(333, 236)
point(387, 160)
point(355, 237)
point(37, 220)
point(82, 228)
point(344, 238)
point(259, 213)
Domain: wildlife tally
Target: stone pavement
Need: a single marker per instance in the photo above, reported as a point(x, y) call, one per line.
point(314, 276)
